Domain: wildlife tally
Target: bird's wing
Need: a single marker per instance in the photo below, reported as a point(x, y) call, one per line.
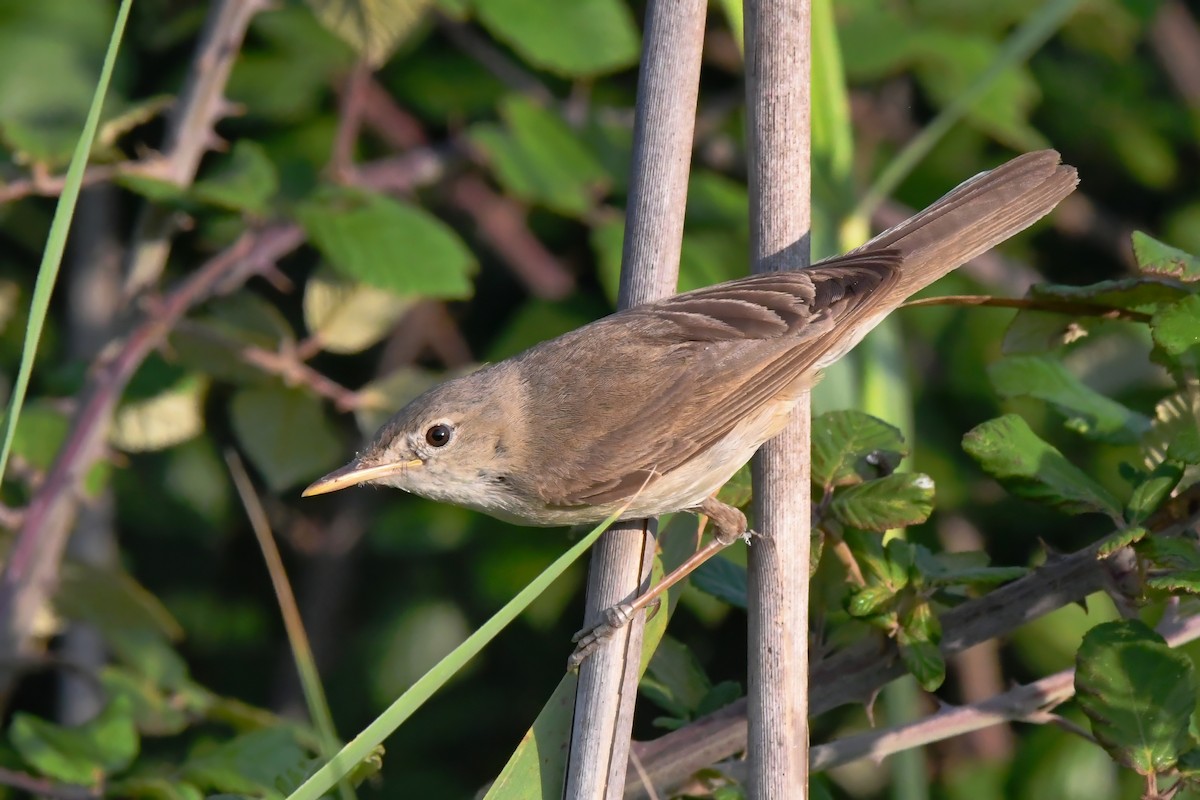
point(716, 355)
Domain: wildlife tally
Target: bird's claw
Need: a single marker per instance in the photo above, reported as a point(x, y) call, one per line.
point(587, 640)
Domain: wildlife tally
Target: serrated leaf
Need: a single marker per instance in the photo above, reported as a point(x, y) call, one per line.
point(1088, 412)
point(1153, 489)
point(844, 444)
point(245, 180)
point(918, 637)
point(880, 505)
point(675, 680)
point(1029, 467)
point(1174, 431)
point(962, 569)
point(348, 316)
point(869, 599)
point(374, 28)
point(924, 660)
point(162, 421)
point(1156, 258)
point(285, 434)
point(80, 755)
point(1175, 582)
point(1138, 693)
point(384, 243)
point(722, 579)
point(1176, 328)
point(1122, 538)
point(583, 38)
point(1144, 294)
point(540, 159)
point(249, 764)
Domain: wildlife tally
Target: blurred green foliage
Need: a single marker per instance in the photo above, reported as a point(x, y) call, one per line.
point(458, 171)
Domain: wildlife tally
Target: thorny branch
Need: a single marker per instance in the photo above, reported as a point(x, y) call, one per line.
point(857, 673)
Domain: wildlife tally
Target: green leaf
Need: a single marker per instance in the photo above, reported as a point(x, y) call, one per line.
point(248, 764)
point(1153, 489)
point(1041, 331)
point(112, 600)
point(723, 579)
point(1138, 693)
point(540, 159)
point(374, 28)
point(1029, 467)
point(84, 754)
point(1144, 294)
point(918, 638)
point(162, 421)
point(675, 681)
point(387, 244)
point(962, 569)
point(869, 599)
point(1122, 538)
point(1176, 328)
point(244, 181)
point(347, 316)
point(849, 447)
point(581, 39)
point(154, 712)
point(1088, 412)
point(880, 505)
point(1156, 258)
point(285, 434)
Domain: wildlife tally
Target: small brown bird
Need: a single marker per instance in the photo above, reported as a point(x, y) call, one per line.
point(662, 403)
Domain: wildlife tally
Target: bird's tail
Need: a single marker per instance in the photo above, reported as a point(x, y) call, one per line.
point(974, 217)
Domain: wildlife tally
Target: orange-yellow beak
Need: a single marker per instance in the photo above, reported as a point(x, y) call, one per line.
point(352, 475)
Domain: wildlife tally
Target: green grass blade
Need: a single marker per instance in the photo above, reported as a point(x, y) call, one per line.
point(56, 243)
point(386, 723)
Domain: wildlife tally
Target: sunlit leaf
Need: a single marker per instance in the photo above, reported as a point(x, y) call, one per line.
point(850, 446)
point(1176, 327)
point(583, 38)
point(375, 28)
point(1138, 693)
point(162, 421)
point(385, 243)
point(1029, 467)
point(1088, 412)
point(348, 316)
point(894, 501)
point(83, 754)
point(1156, 258)
point(539, 159)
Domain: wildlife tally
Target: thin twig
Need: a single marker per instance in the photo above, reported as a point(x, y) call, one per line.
point(31, 570)
point(284, 364)
point(44, 787)
point(190, 132)
point(1033, 304)
point(350, 118)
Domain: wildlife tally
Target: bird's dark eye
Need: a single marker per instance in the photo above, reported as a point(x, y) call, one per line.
point(438, 435)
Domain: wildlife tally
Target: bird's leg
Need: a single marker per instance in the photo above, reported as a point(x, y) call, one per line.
point(729, 525)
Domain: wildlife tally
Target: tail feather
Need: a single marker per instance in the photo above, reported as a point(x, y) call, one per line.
point(974, 217)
